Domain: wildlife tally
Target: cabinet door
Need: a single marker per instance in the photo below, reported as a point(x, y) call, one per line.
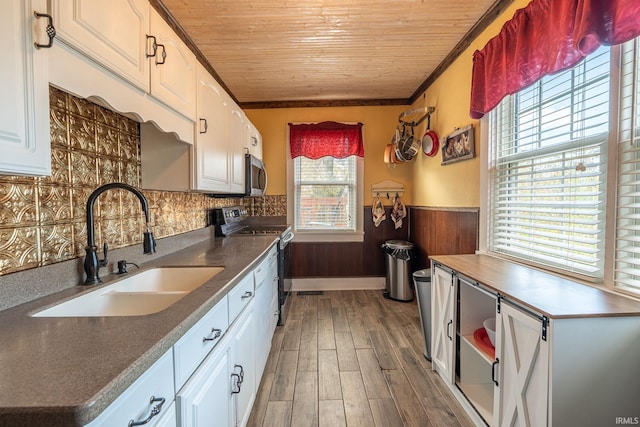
point(173, 69)
point(24, 85)
point(254, 141)
point(205, 400)
point(522, 366)
point(212, 165)
point(443, 318)
point(113, 33)
point(243, 364)
point(262, 322)
point(238, 146)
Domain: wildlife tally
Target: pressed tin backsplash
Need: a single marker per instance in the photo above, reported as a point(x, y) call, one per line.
point(42, 220)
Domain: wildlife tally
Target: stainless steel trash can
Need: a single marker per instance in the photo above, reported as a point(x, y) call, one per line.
point(422, 282)
point(398, 279)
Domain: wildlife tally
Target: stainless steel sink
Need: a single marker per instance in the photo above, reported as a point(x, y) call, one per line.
point(148, 292)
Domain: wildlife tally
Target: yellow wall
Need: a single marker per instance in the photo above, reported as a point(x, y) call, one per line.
point(456, 184)
point(426, 181)
point(379, 126)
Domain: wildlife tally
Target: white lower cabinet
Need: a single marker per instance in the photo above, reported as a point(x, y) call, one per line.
point(243, 367)
point(522, 370)
point(205, 398)
point(266, 306)
point(443, 321)
point(579, 370)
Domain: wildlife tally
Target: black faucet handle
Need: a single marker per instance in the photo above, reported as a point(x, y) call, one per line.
point(105, 249)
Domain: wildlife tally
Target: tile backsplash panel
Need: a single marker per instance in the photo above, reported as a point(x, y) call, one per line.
point(43, 219)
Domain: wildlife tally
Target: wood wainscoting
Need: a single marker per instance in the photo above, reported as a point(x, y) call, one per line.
point(348, 259)
point(443, 231)
point(433, 231)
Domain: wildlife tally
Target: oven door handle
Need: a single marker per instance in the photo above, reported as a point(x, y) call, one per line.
point(286, 239)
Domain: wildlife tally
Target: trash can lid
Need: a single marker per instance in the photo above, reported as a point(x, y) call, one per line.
point(398, 244)
point(422, 275)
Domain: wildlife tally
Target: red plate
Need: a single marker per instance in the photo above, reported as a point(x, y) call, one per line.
point(482, 340)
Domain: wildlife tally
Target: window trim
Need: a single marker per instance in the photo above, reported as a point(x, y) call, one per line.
point(324, 235)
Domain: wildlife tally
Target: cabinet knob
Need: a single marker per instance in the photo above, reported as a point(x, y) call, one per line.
point(246, 295)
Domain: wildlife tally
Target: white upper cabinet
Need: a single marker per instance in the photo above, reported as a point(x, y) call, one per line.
point(238, 148)
point(173, 69)
point(24, 85)
point(212, 165)
point(112, 33)
point(131, 40)
point(255, 140)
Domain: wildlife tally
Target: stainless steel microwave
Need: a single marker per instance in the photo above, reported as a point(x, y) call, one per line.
point(255, 176)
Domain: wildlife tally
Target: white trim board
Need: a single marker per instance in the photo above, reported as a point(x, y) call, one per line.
point(338, 283)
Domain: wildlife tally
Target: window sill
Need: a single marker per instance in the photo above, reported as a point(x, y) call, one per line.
point(328, 236)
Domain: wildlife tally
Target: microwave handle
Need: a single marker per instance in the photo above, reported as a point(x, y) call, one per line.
point(263, 177)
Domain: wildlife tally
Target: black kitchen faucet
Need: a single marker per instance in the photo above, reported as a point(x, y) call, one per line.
point(91, 262)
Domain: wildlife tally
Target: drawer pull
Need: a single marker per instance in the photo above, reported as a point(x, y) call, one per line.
point(216, 334)
point(154, 411)
point(246, 295)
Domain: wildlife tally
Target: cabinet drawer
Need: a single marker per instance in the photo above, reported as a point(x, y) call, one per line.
point(136, 404)
point(194, 346)
point(261, 272)
point(240, 296)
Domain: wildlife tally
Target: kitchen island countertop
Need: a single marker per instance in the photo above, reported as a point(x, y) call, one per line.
point(64, 371)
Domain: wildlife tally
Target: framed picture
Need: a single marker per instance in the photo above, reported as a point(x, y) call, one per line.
point(460, 145)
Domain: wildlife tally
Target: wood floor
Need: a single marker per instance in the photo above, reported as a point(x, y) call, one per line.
point(352, 358)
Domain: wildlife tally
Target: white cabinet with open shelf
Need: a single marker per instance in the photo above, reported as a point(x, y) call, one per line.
point(565, 354)
point(475, 362)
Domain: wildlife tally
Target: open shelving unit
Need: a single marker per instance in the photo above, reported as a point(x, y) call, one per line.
point(473, 370)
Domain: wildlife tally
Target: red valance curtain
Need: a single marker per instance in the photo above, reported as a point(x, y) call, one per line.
point(333, 139)
point(545, 37)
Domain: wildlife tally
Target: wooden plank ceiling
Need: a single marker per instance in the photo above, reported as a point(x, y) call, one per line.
point(279, 51)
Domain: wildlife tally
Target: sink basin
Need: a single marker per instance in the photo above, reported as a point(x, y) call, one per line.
point(145, 293)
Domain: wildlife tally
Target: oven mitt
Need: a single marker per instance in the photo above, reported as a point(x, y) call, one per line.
point(378, 212)
point(399, 211)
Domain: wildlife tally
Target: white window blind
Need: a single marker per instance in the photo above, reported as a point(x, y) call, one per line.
point(548, 158)
point(325, 193)
point(627, 247)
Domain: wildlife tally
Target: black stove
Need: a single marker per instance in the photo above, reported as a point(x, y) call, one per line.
point(236, 221)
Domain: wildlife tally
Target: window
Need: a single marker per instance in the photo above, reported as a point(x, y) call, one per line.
point(548, 168)
point(325, 201)
point(627, 243)
point(325, 193)
point(549, 149)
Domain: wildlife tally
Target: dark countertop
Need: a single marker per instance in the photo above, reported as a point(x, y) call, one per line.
point(66, 371)
point(545, 293)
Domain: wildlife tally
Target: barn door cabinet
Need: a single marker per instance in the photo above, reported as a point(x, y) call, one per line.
point(24, 85)
point(565, 354)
